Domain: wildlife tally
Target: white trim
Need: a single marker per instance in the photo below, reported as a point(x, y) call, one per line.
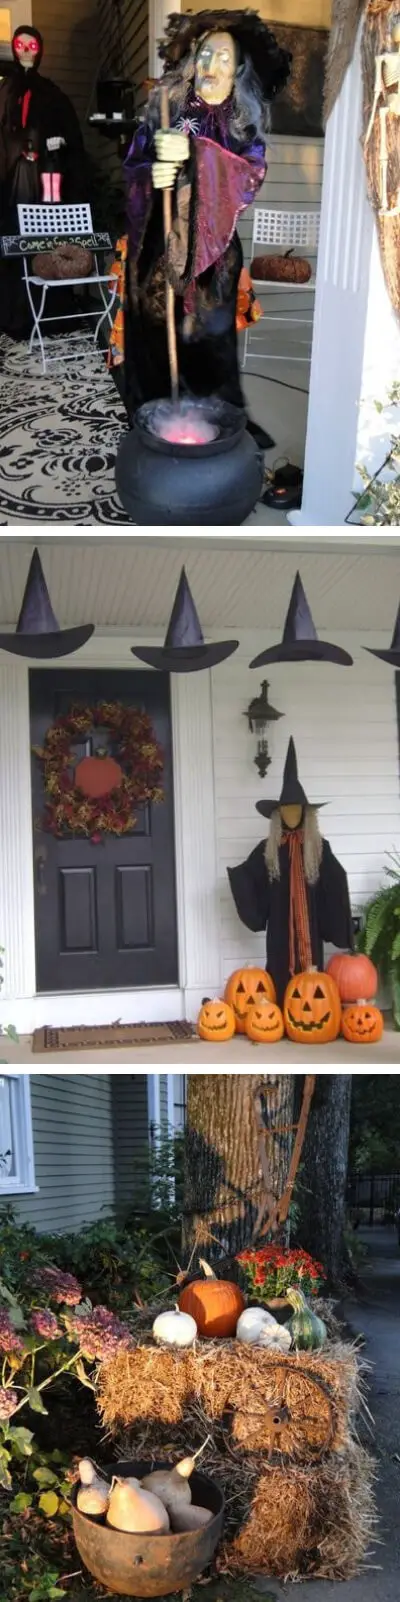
point(159, 11)
point(153, 1101)
point(24, 1180)
point(170, 1101)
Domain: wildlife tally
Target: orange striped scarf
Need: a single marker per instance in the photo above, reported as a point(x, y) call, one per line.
point(299, 923)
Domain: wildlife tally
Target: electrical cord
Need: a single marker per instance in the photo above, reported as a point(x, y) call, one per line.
point(280, 381)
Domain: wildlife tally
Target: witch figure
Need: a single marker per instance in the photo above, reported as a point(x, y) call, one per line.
point(222, 69)
point(293, 886)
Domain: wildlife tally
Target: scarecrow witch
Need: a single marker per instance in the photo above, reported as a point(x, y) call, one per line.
point(221, 70)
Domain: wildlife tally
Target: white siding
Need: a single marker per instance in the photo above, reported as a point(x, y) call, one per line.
point(135, 41)
point(344, 724)
point(293, 183)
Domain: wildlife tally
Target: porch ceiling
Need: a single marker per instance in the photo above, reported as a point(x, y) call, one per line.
point(129, 583)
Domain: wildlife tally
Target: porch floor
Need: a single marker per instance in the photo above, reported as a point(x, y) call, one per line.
point(234, 1053)
point(59, 433)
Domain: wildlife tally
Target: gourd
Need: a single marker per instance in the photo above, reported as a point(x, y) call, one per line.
point(171, 1485)
point(94, 1491)
point(135, 1510)
point(287, 269)
point(189, 1517)
point(175, 1328)
point(215, 1304)
point(308, 1331)
point(251, 1323)
point(354, 974)
point(216, 1021)
point(244, 988)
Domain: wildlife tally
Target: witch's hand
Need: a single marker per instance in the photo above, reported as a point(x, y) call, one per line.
point(163, 174)
point(172, 146)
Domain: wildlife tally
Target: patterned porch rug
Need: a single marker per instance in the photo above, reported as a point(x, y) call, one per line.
point(112, 1035)
point(59, 435)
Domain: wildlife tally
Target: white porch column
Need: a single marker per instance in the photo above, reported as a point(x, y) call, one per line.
point(159, 11)
point(196, 852)
point(16, 868)
point(351, 304)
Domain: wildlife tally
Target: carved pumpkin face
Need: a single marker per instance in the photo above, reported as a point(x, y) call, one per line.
point(354, 975)
point(245, 987)
point(265, 1022)
point(362, 1024)
point(97, 776)
point(311, 1009)
point(216, 1021)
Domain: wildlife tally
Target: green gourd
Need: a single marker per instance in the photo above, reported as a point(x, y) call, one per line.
point(308, 1332)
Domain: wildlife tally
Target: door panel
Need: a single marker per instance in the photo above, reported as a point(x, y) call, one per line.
point(105, 914)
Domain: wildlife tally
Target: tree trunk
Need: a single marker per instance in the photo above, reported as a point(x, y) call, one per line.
point(321, 1190)
point(224, 1185)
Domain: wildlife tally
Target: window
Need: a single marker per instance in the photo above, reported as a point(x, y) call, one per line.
point(17, 1173)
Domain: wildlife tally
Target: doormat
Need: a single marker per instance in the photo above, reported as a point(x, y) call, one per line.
point(113, 1035)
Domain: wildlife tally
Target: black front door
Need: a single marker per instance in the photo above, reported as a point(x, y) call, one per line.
point(105, 913)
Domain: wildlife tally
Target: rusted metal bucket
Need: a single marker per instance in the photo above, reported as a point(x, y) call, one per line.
point(149, 1565)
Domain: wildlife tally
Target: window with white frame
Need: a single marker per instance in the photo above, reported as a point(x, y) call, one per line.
point(17, 1173)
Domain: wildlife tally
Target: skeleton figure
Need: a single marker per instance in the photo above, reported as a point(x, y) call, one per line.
point(387, 98)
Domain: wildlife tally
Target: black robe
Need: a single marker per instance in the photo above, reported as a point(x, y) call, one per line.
point(263, 903)
point(50, 115)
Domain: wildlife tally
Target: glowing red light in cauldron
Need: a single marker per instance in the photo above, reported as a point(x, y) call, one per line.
point(184, 431)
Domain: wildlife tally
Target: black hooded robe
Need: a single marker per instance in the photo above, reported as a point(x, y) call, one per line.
point(263, 903)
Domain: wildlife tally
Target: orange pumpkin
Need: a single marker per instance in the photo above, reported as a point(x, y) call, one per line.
point(248, 309)
point(215, 1304)
point(311, 1008)
point(245, 986)
point(354, 975)
point(97, 776)
point(216, 1021)
point(264, 1022)
point(362, 1024)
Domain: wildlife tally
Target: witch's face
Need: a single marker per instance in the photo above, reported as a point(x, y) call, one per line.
point(291, 816)
point(26, 50)
point(216, 62)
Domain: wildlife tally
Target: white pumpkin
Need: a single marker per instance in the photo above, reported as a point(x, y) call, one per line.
point(251, 1324)
point(175, 1328)
point(277, 1339)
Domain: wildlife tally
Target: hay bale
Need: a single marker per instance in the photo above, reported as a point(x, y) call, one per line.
point(231, 1389)
point(315, 1521)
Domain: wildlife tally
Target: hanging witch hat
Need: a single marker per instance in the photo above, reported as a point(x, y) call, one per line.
point(393, 654)
point(184, 650)
point(37, 633)
point(300, 641)
point(292, 793)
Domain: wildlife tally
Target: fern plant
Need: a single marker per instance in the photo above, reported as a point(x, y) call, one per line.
point(380, 935)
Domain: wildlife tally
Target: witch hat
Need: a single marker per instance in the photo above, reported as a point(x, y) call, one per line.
point(37, 633)
point(292, 793)
point(300, 641)
point(393, 655)
point(184, 650)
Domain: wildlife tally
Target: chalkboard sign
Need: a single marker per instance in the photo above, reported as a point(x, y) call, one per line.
point(33, 245)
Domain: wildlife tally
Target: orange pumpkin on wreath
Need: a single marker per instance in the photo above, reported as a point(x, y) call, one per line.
point(248, 309)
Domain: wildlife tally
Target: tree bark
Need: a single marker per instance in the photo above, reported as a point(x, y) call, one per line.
point(224, 1185)
point(321, 1190)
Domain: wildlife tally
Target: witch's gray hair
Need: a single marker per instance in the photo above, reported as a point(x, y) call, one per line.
point(250, 117)
point(312, 845)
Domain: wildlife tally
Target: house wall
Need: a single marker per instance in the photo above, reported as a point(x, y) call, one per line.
point(70, 29)
point(87, 1130)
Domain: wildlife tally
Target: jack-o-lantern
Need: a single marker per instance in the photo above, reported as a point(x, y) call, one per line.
point(362, 1024)
point(245, 987)
point(264, 1022)
point(311, 1008)
point(97, 776)
point(216, 1021)
point(354, 975)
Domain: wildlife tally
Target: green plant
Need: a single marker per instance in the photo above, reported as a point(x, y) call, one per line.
point(380, 499)
point(380, 934)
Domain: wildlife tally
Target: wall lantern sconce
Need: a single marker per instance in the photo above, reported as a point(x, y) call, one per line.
point(259, 714)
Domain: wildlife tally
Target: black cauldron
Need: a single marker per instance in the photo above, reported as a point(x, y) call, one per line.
point(164, 482)
point(149, 1565)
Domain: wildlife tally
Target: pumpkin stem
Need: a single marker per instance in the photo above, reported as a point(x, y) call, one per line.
point(207, 1271)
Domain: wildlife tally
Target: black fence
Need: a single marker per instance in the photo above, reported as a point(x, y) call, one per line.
point(373, 1198)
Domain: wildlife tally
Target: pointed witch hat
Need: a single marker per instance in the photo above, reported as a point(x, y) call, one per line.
point(184, 650)
point(37, 633)
point(292, 793)
point(393, 654)
point(300, 641)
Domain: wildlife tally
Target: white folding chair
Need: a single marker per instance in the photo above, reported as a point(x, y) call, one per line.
point(58, 222)
point(282, 231)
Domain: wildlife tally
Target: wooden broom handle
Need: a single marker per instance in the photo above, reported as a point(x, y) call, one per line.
point(169, 293)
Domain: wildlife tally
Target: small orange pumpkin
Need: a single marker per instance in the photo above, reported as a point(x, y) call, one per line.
point(354, 974)
point(248, 309)
point(216, 1021)
point(362, 1024)
point(311, 1008)
point(97, 776)
point(215, 1304)
point(264, 1022)
point(244, 988)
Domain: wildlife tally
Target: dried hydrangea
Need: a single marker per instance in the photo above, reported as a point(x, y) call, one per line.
point(9, 1340)
point(59, 1287)
point(44, 1323)
point(99, 1333)
point(8, 1404)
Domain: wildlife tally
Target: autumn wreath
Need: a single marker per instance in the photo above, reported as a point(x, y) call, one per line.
point(99, 794)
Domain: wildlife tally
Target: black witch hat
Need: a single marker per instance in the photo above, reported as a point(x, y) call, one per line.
point(300, 641)
point(393, 654)
point(37, 633)
point(270, 62)
point(292, 793)
point(184, 650)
